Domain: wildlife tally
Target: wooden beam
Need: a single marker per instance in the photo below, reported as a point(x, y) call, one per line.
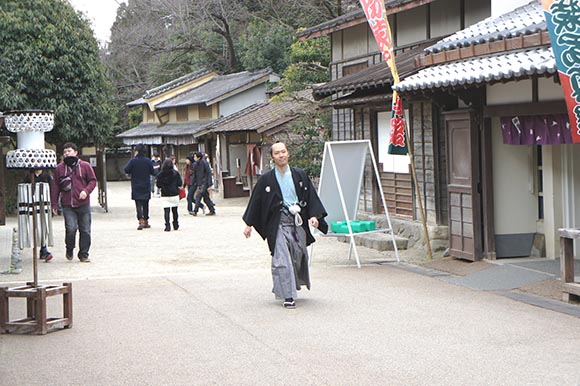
point(542, 108)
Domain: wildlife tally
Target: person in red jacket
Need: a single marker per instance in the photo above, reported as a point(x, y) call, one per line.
point(73, 182)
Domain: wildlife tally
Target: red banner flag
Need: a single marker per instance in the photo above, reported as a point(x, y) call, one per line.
point(377, 18)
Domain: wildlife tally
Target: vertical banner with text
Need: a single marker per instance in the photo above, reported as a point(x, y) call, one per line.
point(377, 18)
point(563, 20)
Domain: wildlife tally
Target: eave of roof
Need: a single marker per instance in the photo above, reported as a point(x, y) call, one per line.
point(217, 89)
point(168, 130)
point(376, 76)
point(357, 17)
point(524, 20)
point(261, 117)
point(175, 83)
point(482, 70)
point(137, 102)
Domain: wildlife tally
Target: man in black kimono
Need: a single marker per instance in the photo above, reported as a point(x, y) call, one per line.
point(283, 204)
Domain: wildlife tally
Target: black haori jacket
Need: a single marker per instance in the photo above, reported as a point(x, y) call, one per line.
point(263, 211)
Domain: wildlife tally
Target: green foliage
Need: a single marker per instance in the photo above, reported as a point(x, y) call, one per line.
point(266, 45)
point(135, 116)
point(306, 145)
point(309, 66)
point(50, 61)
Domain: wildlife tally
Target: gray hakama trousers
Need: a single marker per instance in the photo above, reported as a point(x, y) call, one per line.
point(290, 259)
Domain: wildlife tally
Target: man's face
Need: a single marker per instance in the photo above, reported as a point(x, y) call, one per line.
point(68, 152)
point(280, 154)
point(196, 158)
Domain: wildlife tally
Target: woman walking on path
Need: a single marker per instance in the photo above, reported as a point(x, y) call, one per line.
point(141, 170)
point(169, 181)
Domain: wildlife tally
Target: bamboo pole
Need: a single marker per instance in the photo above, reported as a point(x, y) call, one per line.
point(419, 199)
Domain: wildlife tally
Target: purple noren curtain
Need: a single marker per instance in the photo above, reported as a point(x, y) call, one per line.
point(536, 130)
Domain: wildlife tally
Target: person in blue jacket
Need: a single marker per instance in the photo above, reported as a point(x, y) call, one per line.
point(141, 169)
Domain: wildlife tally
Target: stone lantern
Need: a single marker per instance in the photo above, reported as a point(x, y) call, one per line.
point(34, 202)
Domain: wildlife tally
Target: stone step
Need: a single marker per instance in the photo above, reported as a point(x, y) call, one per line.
point(378, 241)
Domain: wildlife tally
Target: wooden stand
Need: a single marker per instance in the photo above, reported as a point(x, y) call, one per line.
point(36, 321)
point(570, 288)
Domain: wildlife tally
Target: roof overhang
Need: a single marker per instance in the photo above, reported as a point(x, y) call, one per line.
point(502, 67)
point(352, 19)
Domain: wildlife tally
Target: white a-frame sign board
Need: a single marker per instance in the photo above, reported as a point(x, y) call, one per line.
point(340, 185)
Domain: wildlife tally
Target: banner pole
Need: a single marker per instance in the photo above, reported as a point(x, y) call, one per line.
point(419, 199)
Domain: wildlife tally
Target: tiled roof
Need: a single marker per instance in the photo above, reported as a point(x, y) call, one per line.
point(137, 102)
point(168, 130)
point(175, 83)
point(375, 76)
point(215, 88)
point(504, 66)
point(264, 116)
point(524, 20)
point(357, 17)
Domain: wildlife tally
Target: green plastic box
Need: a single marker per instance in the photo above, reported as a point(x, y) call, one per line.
point(356, 225)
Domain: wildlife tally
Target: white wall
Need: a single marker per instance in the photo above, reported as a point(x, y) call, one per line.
point(411, 26)
point(509, 93)
point(476, 10)
point(445, 17)
point(352, 39)
point(571, 189)
point(391, 163)
point(499, 7)
point(243, 100)
point(548, 90)
point(515, 203)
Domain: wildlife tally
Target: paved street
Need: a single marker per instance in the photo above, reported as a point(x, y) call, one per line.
point(194, 307)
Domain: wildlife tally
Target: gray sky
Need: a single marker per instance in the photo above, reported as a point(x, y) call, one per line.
point(101, 14)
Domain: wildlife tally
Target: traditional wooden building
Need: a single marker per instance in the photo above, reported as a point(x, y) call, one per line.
point(175, 113)
point(512, 170)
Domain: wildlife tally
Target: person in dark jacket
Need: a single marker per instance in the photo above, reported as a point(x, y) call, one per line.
point(74, 181)
point(157, 167)
point(202, 178)
point(141, 169)
point(282, 206)
point(169, 181)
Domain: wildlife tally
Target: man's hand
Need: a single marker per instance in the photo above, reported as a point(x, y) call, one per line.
point(82, 195)
point(248, 231)
point(313, 221)
point(55, 211)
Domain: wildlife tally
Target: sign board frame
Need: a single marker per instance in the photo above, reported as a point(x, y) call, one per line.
point(341, 177)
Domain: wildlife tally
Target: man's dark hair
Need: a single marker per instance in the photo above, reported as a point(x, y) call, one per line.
point(275, 144)
point(70, 145)
point(140, 149)
point(198, 154)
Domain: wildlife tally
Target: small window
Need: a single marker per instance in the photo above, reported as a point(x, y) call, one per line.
point(205, 112)
point(182, 114)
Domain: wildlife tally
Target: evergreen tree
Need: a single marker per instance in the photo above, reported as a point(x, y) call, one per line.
point(50, 61)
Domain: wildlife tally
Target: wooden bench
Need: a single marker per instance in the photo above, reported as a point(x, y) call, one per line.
point(36, 320)
point(570, 288)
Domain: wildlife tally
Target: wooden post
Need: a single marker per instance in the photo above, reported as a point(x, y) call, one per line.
point(3, 141)
point(419, 199)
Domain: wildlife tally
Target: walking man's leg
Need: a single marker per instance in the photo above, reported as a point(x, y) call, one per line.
point(70, 225)
point(84, 219)
point(190, 198)
point(208, 202)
